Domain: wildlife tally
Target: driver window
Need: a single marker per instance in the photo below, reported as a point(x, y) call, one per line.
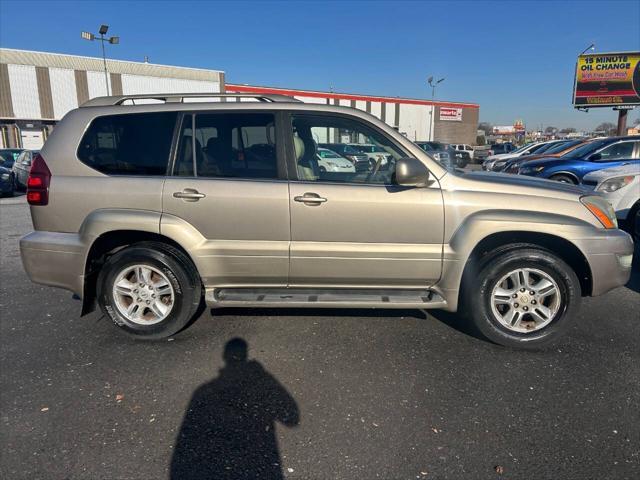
point(340, 149)
point(617, 151)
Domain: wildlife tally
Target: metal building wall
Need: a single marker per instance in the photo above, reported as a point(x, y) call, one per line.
point(37, 89)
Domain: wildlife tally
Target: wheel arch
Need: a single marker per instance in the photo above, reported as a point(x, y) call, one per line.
point(108, 243)
point(555, 244)
point(567, 173)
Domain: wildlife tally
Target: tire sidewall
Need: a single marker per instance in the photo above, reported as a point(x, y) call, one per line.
point(561, 273)
point(174, 272)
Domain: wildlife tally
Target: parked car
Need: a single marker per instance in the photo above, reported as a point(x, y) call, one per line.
point(330, 161)
point(439, 151)
point(10, 153)
point(463, 147)
point(7, 184)
point(21, 168)
point(130, 212)
point(558, 150)
point(498, 161)
point(481, 153)
point(461, 158)
point(592, 156)
point(503, 148)
point(377, 155)
point(360, 160)
point(621, 187)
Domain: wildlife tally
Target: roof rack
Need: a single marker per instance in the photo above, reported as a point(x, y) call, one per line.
point(179, 98)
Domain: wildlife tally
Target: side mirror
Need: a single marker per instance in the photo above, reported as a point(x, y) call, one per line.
point(411, 172)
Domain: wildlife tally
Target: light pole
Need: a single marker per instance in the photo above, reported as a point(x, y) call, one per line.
point(112, 40)
point(591, 47)
point(433, 83)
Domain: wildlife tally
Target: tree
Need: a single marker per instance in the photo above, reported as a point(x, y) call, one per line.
point(607, 128)
point(568, 130)
point(486, 127)
point(636, 121)
point(550, 130)
point(481, 140)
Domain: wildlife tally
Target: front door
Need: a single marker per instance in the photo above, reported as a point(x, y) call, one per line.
point(228, 198)
point(351, 228)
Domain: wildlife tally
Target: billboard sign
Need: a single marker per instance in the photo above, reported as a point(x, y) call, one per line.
point(607, 80)
point(451, 114)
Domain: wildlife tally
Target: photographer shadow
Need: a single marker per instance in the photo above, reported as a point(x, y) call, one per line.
point(228, 431)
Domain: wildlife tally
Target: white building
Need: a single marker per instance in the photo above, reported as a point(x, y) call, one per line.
point(37, 89)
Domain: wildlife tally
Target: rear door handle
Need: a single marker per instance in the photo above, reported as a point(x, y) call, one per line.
point(310, 198)
point(189, 195)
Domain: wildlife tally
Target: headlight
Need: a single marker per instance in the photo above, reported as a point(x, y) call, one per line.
point(529, 170)
point(616, 183)
point(4, 176)
point(601, 209)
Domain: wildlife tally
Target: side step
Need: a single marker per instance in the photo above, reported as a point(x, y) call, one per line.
point(327, 298)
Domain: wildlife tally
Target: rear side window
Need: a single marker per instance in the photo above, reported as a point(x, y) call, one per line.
point(231, 145)
point(131, 144)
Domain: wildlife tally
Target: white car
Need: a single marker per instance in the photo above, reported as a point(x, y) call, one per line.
point(621, 187)
point(330, 161)
point(464, 147)
point(374, 152)
point(497, 161)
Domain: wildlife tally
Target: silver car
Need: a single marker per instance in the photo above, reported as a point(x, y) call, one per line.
point(153, 211)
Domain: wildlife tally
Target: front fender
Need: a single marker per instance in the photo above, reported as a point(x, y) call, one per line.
point(480, 225)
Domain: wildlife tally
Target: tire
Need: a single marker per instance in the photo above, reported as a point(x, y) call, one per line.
point(631, 225)
point(564, 179)
point(167, 265)
point(480, 308)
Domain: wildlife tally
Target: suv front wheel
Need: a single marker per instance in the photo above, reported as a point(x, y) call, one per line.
point(150, 290)
point(523, 297)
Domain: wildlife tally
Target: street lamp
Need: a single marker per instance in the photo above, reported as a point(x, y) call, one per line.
point(433, 83)
point(112, 40)
point(591, 47)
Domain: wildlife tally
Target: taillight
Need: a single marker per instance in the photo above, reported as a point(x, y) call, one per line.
point(38, 182)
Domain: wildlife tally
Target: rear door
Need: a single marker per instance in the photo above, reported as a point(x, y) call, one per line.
point(358, 229)
point(228, 193)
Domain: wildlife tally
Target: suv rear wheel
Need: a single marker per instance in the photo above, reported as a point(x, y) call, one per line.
point(150, 290)
point(523, 297)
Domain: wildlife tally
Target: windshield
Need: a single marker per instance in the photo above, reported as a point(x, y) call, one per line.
point(563, 146)
point(523, 148)
point(545, 147)
point(6, 159)
point(585, 149)
point(328, 154)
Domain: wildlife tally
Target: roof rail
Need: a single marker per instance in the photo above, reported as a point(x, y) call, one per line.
point(179, 98)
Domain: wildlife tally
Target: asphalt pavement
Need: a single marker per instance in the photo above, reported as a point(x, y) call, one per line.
point(323, 394)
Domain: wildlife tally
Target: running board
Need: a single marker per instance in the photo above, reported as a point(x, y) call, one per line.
point(323, 298)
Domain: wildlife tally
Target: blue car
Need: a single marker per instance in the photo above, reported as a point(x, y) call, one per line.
point(592, 156)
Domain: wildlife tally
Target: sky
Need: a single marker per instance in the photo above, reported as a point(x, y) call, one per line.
point(514, 58)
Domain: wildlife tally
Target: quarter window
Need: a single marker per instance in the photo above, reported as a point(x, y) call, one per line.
point(340, 149)
point(132, 144)
point(232, 145)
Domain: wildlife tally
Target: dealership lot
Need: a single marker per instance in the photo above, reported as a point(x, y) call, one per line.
point(351, 394)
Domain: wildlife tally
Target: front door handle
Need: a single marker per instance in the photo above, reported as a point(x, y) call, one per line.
point(311, 198)
point(189, 195)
